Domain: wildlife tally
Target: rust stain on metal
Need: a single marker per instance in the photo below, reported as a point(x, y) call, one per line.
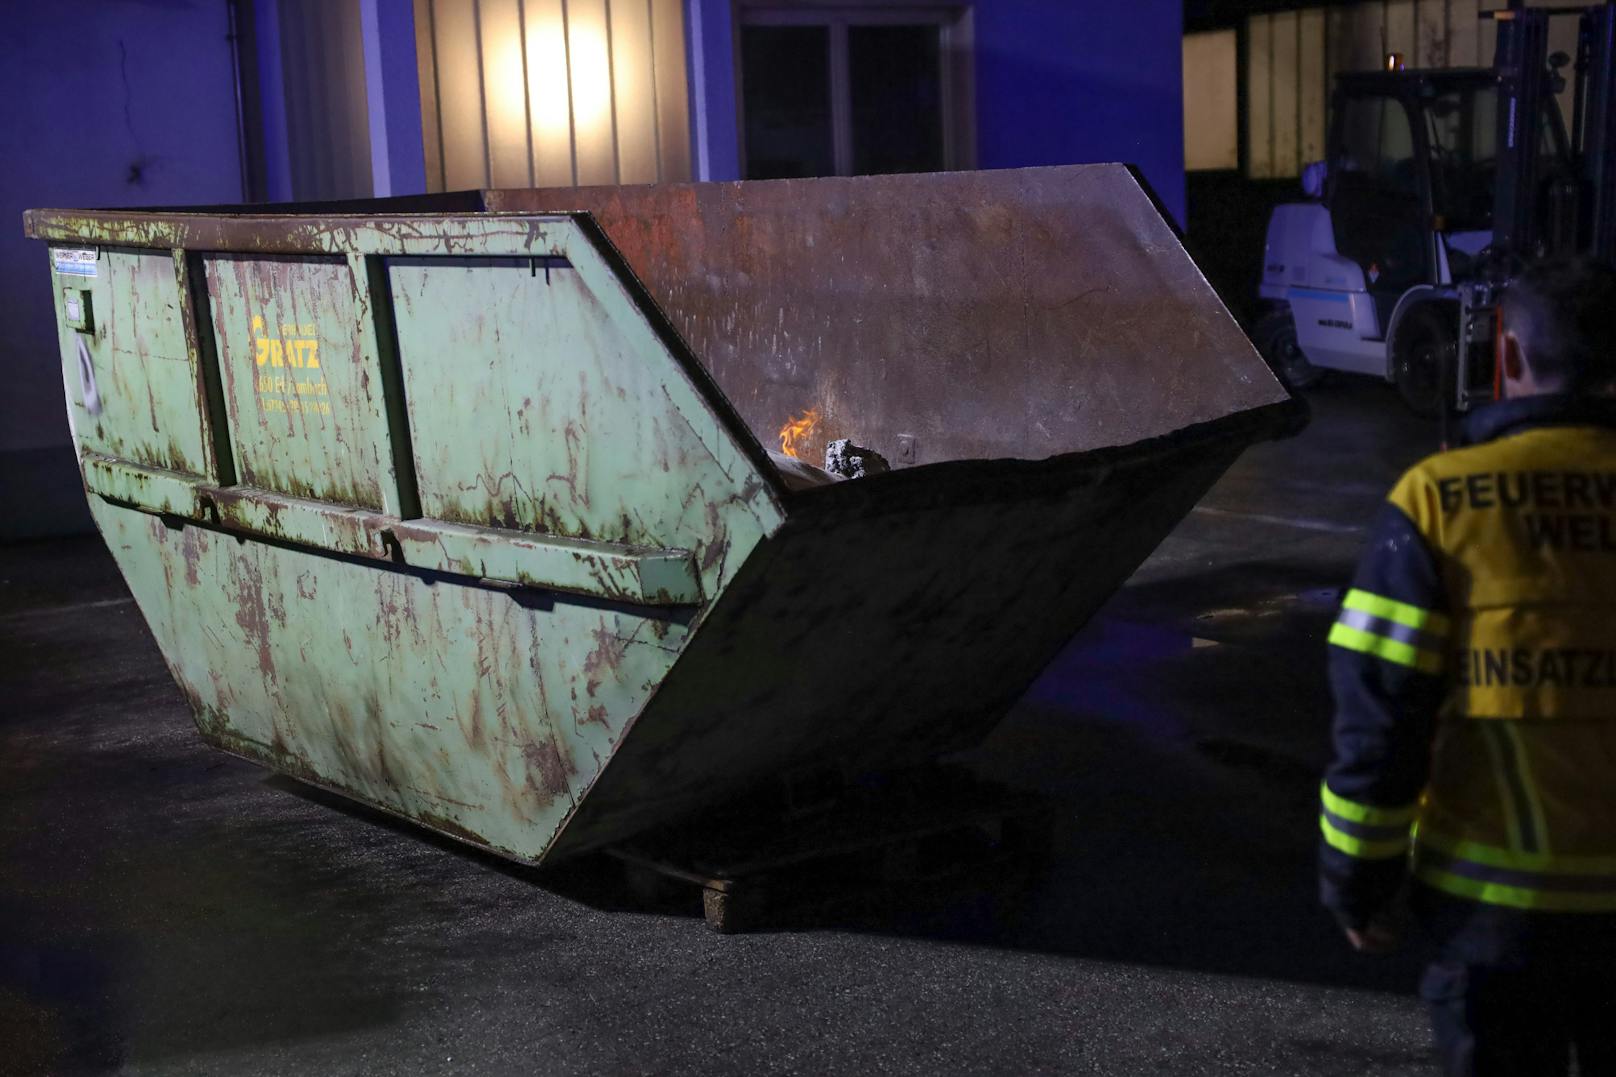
point(554, 770)
point(191, 552)
point(928, 304)
point(604, 660)
point(252, 614)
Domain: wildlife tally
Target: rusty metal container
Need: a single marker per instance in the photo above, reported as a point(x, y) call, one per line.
point(469, 516)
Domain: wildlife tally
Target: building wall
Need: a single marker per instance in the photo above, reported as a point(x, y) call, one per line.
point(525, 93)
point(322, 81)
point(714, 120)
point(1065, 83)
point(1057, 82)
point(335, 109)
point(111, 103)
point(1211, 103)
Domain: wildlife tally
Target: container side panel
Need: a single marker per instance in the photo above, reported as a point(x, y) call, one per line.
point(133, 391)
point(532, 409)
point(868, 636)
point(472, 678)
point(463, 708)
point(297, 387)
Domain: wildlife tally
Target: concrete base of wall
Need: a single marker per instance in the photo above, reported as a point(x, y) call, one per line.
point(41, 494)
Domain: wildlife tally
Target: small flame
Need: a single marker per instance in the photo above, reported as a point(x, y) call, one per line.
point(797, 430)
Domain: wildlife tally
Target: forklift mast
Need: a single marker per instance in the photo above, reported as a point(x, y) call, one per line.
point(1563, 213)
point(1595, 126)
point(1529, 220)
point(1521, 63)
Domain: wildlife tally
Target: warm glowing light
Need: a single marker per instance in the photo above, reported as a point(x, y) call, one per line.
point(555, 92)
point(591, 78)
point(507, 102)
point(797, 430)
point(547, 79)
point(559, 110)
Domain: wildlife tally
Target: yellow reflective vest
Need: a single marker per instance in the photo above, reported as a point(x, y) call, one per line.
point(1473, 663)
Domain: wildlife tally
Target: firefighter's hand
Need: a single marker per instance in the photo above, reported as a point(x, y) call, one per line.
point(1379, 936)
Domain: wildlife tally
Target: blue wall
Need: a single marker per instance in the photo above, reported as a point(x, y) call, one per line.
point(1057, 82)
point(714, 130)
point(108, 103)
point(1067, 81)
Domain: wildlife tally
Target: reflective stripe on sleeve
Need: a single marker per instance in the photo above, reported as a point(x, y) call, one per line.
point(1363, 830)
point(1417, 638)
point(1341, 837)
point(1391, 650)
point(1393, 631)
point(1402, 613)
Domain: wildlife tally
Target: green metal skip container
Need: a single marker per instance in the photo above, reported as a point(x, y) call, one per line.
point(469, 515)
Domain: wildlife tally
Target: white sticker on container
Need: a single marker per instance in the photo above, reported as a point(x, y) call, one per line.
point(87, 387)
point(74, 262)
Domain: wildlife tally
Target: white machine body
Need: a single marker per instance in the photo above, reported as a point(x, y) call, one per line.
point(1337, 324)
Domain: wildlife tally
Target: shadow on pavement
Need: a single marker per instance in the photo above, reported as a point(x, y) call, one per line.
point(1182, 774)
point(158, 900)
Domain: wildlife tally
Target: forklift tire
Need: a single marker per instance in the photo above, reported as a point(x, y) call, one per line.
point(1423, 352)
point(1275, 337)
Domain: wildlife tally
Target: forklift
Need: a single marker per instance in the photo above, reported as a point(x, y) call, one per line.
point(1438, 188)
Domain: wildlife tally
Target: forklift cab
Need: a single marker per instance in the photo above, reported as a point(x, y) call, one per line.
point(1412, 166)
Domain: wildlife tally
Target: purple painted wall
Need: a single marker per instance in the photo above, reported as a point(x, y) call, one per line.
point(109, 103)
point(1057, 82)
point(1067, 82)
point(714, 132)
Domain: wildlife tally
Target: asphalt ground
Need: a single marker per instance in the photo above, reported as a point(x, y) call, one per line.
point(165, 909)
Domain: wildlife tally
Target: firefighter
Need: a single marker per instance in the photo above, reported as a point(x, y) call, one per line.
point(1473, 665)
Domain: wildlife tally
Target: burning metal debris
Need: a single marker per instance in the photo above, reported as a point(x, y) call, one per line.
point(843, 459)
point(851, 461)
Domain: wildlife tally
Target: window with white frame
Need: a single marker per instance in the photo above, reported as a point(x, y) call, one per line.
point(845, 90)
